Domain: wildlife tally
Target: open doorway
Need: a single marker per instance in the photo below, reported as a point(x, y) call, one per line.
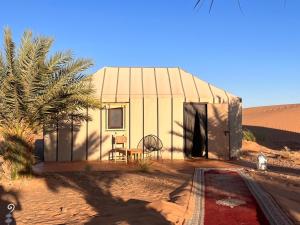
point(195, 129)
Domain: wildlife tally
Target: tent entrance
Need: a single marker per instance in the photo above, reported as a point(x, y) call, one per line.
point(195, 129)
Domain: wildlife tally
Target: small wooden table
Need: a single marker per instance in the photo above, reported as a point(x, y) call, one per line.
point(135, 154)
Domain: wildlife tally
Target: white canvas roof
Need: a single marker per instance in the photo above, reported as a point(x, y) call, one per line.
point(119, 84)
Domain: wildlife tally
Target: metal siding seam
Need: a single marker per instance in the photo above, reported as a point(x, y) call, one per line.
point(228, 112)
point(72, 145)
point(182, 84)
point(117, 84)
point(184, 97)
point(43, 143)
point(100, 158)
point(211, 93)
point(172, 148)
point(142, 76)
point(157, 105)
point(196, 88)
point(56, 140)
point(101, 92)
point(129, 125)
point(87, 136)
point(206, 131)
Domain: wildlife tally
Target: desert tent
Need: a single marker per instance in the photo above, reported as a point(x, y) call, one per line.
point(191, 117)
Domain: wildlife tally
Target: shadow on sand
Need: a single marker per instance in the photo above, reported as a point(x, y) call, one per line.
point(274, 138)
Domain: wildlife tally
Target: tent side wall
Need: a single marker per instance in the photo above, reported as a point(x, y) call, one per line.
point(217, 125)
point(80, 139)
point(50, 144)
point(235, 126)
point(164, 110)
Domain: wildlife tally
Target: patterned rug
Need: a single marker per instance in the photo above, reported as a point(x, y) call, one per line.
point(231, 197)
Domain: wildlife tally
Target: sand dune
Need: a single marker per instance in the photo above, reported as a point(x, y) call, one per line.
point(274, 126)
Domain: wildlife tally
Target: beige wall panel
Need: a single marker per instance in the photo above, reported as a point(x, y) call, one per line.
point(123, 85)
point(219, 94)
point(235, 126)
point(163, 84)
point(176, 85)
point(94, 134)
point(110, 84)
point(107, 134)
point(178, 138)
point(50, 138)
point(79, 140)
point(164, 119)
point(149, 82)
point(64, 141)
point(218, 142)
point(136, 85)
point(136, 122)
point(204, 91)
point(97, 81)
point(150, 116)
point(190, 90)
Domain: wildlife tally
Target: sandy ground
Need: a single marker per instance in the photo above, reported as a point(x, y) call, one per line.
point(277, 130)
point(127, 197)
point(99, 193)
point(281, 180)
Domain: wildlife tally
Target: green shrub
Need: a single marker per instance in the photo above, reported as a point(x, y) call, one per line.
point(248, 135)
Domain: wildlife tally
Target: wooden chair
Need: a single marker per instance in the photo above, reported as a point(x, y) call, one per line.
point(119, 148)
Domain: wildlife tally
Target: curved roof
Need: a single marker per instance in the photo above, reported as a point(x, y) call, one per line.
point(119, 84)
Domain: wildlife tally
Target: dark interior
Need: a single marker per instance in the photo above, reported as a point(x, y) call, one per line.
point(195, 130)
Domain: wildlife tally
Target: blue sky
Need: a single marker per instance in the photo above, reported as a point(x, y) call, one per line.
point(254, 55)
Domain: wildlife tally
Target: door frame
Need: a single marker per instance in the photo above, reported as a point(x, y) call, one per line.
point(206, 126)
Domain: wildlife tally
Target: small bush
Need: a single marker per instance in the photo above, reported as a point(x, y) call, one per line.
point(144, 166)
point(88, 168)
point(248, 136)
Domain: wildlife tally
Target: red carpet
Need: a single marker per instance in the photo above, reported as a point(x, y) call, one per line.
point(224, 186)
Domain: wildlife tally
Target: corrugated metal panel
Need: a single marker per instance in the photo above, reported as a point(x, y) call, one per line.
point(136, 86)
point(175, 80)
point(217, 126)
point(150, 116)
point(149, 82)
point(123, 85)
point(163, 83)
point(106, 142)
point(235, 126)
point(79, 139)
point(204, 91)
point(190, 90)
point(178, 136)
point(150, 102)
point(94, 135)
point(165, 125)
point(97, 81)
point(50, 145)
point(110, 84)
point(136, 121)
point(64, 141)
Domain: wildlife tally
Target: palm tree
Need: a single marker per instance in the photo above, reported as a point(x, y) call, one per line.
point(37, 90)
